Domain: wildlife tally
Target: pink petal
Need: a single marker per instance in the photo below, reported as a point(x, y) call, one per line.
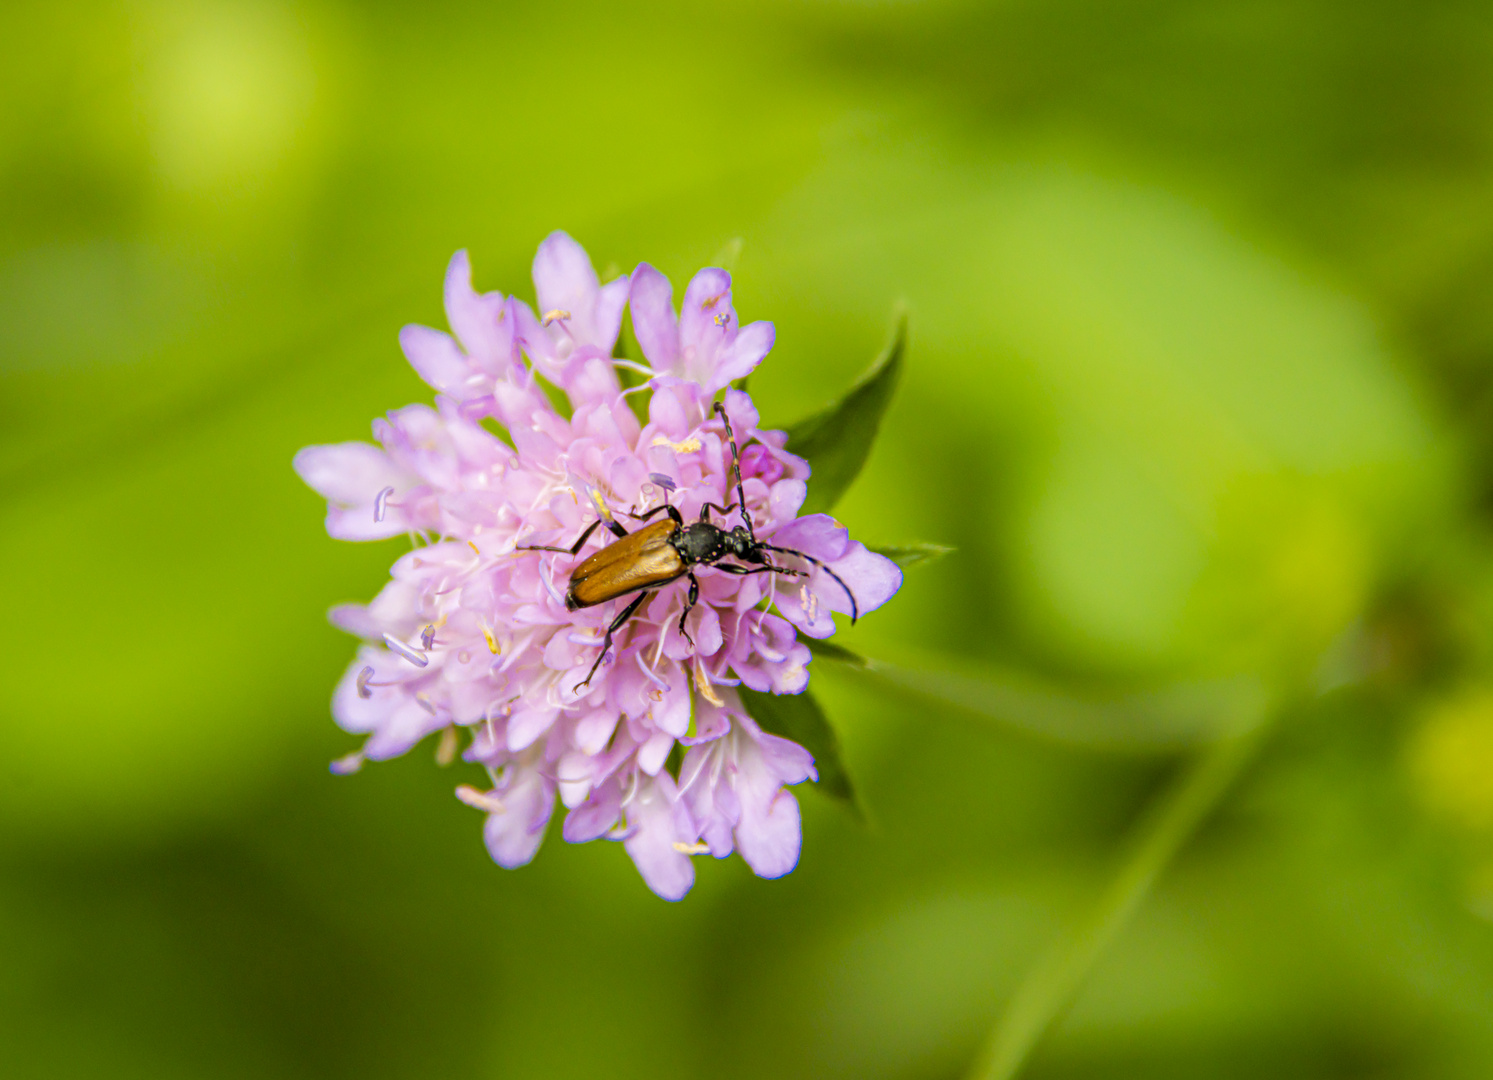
point(818, 535)
point(596, 815)
point(653, 322)
point(666, 870)
point(706, 319)
point(741, 357)
point(350, 473)
point(769, 834)
point(477, 319)
point(874, 579)
point(514, 833)
point(436, 359)
point(607, 318)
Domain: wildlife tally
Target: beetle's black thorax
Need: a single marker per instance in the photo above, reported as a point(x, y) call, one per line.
point(702, 542)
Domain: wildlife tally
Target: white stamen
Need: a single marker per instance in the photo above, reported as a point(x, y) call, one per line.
point(346, 766)
point(413, 655)
point(702, 684)
point(479, 800)
point(445, 750)
point(652, 677)
point(549, 587)
point(809, 600)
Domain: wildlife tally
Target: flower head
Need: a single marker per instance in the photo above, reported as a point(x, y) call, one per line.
point(474, 631)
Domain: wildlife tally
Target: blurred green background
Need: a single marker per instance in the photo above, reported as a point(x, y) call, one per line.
point(1200, 385)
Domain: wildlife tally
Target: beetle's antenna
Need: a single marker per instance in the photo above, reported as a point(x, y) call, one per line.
point(746, 515)
point(854, 608)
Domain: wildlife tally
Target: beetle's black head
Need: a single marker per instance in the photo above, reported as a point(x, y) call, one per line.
point(745, 546)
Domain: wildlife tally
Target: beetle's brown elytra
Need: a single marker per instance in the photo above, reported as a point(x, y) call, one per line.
point(641, 560)
point(668, 550)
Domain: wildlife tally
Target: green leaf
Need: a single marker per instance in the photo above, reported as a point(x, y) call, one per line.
point(1163, 720)
point(799, 717)
point(905, 555)
point(828, 650)
point(837, 441)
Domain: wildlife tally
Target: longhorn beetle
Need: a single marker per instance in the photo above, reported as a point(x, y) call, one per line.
point(668, 550)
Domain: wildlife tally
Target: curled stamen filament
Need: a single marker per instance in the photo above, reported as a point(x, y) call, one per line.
point(549, 587)
point(694, 770)
point(651, 675)
point(380, 503)
point(365, 680)
point(771, 655)
point(763, 649)
point(633, 365)
point(410, 653)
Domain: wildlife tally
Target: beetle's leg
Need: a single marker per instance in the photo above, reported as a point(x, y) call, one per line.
point(574, 549)
point(721, 510)
point(606, 642)
point(854, 609)
point(672, 511)
point(694, 598)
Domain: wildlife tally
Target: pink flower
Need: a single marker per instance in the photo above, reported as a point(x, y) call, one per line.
point(473, 631)
point(734, 783)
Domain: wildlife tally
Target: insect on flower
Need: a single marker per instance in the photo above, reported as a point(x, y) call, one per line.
point(669, 550)
point(488, 652)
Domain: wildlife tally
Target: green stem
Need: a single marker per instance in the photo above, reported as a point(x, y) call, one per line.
point(1052, 984)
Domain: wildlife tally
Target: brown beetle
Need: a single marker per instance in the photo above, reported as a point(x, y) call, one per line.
point(666, 551)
